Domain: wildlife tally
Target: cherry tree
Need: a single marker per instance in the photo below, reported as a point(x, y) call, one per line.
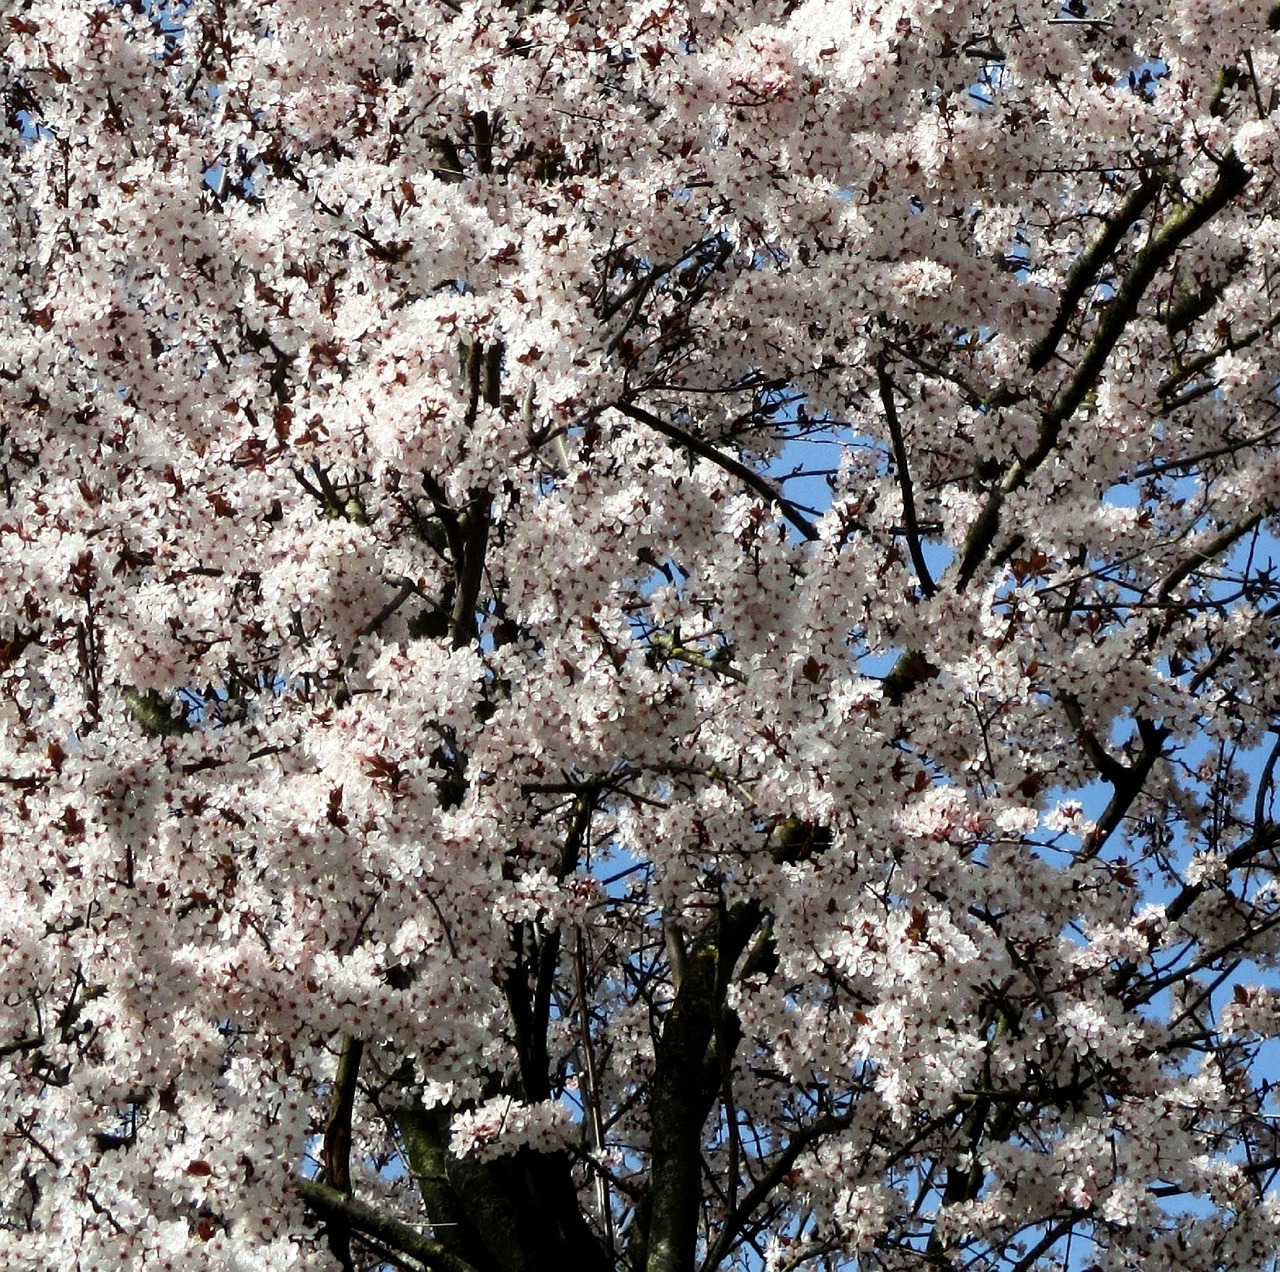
point(469, 806)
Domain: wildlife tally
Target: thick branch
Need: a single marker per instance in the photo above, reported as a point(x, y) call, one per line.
point(362, 1217)
point(1127, 784)
point(425, 1135)
point(1109, 768)
point(474, 523)
point(337, 1134)
point(679, 1101)
point(1181, 224)
point(516, 1213)
point(531, 1020)
point(336, 1153)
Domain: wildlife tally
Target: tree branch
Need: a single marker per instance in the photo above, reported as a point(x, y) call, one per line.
point(362, 1217)
point(1179, 226)
point(474, 524)
point(1215, 547)
point(749, 477)
point(1127, 784)
point(425, 1136)
point(667, 648)
point(591, 1095)
point(910, 523)
point(1086, 266)
point(679, 1101)
point(1202, 362)
point(764, 1187)
point(336, 1152)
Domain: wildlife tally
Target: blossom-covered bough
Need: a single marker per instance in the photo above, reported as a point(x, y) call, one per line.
point(461, 811)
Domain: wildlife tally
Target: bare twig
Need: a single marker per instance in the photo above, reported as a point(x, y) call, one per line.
point(765, 1186)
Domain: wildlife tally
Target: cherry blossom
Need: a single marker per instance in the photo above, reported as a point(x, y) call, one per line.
point(639, 635)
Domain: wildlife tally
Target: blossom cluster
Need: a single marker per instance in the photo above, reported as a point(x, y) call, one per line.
point(655, 619)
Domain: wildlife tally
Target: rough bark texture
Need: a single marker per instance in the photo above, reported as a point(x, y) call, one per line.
point(695, 1039)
